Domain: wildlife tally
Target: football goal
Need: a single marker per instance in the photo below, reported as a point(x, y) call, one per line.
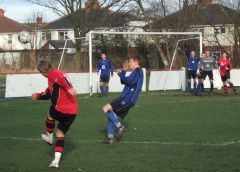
point(162, 54)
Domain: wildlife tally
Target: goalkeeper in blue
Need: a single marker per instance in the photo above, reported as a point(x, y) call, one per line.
point(105, 68)
point(192, 67)
point(119, 107)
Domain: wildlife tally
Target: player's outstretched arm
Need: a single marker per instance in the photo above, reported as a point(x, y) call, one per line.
point(42, 96)
point(34, 96)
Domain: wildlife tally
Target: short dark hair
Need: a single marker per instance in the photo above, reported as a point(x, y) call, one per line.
point(224, 52)
point(44, 66)
point(104, 52)
point(137, 58)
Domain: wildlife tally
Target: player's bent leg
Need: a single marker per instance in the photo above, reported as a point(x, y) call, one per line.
point(232, 86)
point(50, 126)
point(106, 108)
point(225, 87)
point(65, 121)
point(59, 148)
point(113, 118)
point(110, 132)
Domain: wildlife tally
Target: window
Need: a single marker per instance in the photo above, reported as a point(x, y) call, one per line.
point(9, 39)
point(62, 35)
point(46, 36)
point(216, 54)
point(219, 30)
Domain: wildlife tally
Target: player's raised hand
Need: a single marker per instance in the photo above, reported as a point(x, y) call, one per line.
point(34, 96)
point(118, 71)
point(72, 92)
point(125, 65)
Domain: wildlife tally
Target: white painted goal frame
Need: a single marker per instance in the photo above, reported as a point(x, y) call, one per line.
point(64, 48)
point(90, 38)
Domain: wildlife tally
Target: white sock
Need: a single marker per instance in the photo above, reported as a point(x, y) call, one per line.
point(57, 157)
point(110, 136)
point(118, 125)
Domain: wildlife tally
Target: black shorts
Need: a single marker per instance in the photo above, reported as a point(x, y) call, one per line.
point(104, 79)
point(191, 74)
point(207, 73)
point(65, 120)
point(225, 77)
point(120, 107)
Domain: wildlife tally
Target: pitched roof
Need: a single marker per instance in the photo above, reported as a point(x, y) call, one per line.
point(8, 25)
point(100, 18)
point(211, 14)
point(59, 44)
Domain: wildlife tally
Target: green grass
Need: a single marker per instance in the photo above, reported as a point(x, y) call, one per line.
point(184, 134)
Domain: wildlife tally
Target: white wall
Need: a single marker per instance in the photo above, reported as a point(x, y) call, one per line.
point(31, 83)
point(176, 80)
point(169, 80)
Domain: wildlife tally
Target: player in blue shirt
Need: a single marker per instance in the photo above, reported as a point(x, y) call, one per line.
point(120, 106)
point(192, 67)
point(105, 68)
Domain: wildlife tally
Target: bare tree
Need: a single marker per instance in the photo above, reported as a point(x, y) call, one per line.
point(83, 18)
point(233, 19)
point(163, 8)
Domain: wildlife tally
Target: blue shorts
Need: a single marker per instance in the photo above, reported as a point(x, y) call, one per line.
point(120, 107)
point(104, 79)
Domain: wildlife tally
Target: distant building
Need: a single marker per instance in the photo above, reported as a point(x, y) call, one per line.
point(61, 29)
point(9, 31)
point(213, 20)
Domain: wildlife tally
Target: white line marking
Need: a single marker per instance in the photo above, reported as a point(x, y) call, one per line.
point(138, 142)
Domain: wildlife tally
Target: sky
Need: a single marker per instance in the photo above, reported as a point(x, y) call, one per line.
point(20, 10)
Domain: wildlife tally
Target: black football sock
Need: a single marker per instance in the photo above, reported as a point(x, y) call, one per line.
point(50, 125)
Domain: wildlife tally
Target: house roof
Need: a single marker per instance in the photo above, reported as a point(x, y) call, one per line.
point(8, 25)
point(100, 18)
point(59, 44)
point(211, 14)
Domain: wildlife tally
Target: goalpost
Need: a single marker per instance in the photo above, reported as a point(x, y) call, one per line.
point(175, 52)
point(64, 48)
point(91, 34)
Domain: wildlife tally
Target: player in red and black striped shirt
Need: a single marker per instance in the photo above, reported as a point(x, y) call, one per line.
point(225, 65)
point(63, 109)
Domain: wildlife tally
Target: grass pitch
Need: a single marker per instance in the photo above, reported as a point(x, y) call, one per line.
point(165, 132)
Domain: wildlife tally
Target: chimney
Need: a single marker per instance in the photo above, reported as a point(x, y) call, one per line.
point(204, 2)
point(92, 5)
point(39, 21)
point(1, 12)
